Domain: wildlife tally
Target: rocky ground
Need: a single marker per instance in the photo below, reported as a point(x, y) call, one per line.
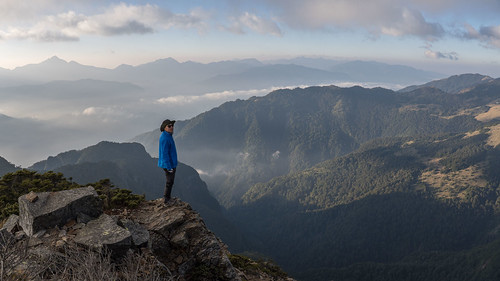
point(152, 242)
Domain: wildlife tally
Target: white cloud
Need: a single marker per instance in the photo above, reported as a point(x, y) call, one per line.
point(253, 22)
point(106, 114)
point(379, 17)
point(488, 35)
point(120, 19)
point(411, 22)
point(439, 55)
point(217, 96)
point(429, 53)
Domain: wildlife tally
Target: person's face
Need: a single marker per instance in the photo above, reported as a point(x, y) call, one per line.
point(169, 128)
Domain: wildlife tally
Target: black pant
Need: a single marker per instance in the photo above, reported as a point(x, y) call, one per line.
point(170, 182)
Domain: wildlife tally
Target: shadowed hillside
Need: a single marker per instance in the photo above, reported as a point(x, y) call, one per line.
point(381, 208)
point(6, 167)
point(241, 143)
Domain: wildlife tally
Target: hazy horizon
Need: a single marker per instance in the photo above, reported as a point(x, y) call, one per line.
point(447, 36)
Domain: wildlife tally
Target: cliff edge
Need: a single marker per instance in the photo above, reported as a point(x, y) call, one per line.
point(67, 235)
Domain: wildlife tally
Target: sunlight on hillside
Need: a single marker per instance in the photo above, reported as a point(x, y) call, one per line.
point(494, 138)
point(454, 184)
point(475, 111)
point(471, 134)
point(492, 113)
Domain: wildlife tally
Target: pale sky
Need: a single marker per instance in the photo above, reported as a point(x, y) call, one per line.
point(450, 36)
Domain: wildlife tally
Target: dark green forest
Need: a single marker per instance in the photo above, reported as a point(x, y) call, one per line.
point(355, 183)
point(370, 215)
point(241, 143)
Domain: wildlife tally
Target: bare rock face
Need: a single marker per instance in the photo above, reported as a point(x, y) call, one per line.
point(56, 208)
point(11, 224)
point(105, 232)
point(7, 230)
point(140, 235)
point(172, 236)
point(181, 241)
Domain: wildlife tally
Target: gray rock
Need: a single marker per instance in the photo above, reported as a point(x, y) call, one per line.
point(56, 208)
point(104, 233)
point(83, 218)
point(20, 235)
point(12, 224)
point(140, 235)
point(8, 229)
point(40, 233)
point(180, 240)
point(6, 238)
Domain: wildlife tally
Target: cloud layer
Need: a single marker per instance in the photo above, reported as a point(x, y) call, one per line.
point(120, 19)
point(409, 18)
point(427, 22)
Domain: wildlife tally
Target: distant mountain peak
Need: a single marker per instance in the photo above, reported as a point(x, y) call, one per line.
point(54, 59)
point(166, 60)
point(4, 117)
point(453, 84)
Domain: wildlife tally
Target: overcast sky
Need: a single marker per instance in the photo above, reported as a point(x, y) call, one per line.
point(451, 36)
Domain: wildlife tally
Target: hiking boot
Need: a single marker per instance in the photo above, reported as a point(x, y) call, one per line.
point(167, 201)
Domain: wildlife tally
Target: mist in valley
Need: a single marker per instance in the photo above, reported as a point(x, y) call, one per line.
point(55, 106)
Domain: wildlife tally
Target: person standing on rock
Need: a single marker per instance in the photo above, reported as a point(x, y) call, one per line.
point(167, 156)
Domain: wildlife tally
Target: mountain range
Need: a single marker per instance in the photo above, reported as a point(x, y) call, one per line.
point(85, 104)
point(165, 72)
point(247, 141)
point(336, 183)
point(387, 207)
point(366, 179)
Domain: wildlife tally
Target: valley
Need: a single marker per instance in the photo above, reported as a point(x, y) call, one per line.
point(360, 181)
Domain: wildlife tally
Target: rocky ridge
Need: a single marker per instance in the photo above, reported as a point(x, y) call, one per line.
point(172, 237)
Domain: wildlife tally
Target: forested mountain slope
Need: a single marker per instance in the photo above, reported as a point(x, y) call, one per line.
point(6, 167)
point(454, 84)
point(389, 206)
point(241, 143)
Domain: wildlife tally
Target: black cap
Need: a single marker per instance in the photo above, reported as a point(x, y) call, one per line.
point(165, 123)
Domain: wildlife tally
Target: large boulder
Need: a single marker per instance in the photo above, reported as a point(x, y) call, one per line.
point(46, 210)
point(104, 232)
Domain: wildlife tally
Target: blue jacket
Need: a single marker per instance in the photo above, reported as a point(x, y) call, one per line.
point(167, 152)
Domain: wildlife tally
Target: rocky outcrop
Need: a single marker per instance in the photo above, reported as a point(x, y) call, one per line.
point(173, 237)
point(45, 210)
point(180, 240)
point(104, 232)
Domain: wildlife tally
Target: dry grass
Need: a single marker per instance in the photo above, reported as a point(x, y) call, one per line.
point(70, 263)
point(471, 134)
point(468, 111)
point(492, 113)
point(494, 138)
point(452, 185)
